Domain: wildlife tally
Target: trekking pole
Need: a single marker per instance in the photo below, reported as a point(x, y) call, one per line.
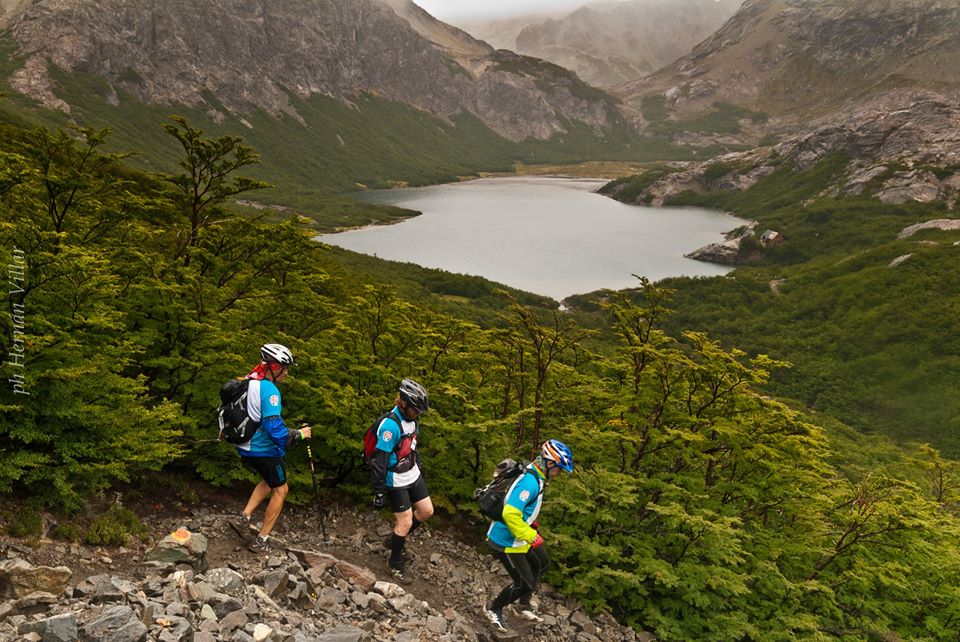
point(316, 494)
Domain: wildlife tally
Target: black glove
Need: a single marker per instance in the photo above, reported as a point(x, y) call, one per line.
point(378, 500)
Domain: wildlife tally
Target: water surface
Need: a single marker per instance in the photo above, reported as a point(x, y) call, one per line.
point(551, 236)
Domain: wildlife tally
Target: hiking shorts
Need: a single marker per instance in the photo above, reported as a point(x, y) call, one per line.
point(271, 469)
point(402, 499)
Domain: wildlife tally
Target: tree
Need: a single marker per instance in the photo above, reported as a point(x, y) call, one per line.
point(208, 178)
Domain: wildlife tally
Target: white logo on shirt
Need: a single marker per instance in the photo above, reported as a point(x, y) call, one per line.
point(524, 495)
point(274, 400)
point(387, 436)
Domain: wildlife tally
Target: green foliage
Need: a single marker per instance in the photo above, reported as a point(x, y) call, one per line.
point(25, 522)
point(723, 119)
point(66, 532)
point(114, 527)
point(841, 312)
point(700, 509)
point(628, 189)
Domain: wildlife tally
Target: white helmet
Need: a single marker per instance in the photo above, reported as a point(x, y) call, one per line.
point(276, 353)
point(414, 394)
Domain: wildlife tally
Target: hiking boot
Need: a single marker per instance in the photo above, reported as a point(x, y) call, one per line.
point(241, 525)
point(495, 616)
point(398, 574)
point(526, 612)
point(258, 544)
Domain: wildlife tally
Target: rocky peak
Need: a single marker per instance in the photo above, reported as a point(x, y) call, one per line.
point(799, 58)
point(611, 43)
point(244, 55)
point(458, 42)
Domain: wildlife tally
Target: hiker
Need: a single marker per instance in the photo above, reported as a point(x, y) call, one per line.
point(515, 539)
point(265, 451)
point(397, 473)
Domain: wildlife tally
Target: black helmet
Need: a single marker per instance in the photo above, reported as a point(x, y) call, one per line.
point(414, 395)
point(276, 353)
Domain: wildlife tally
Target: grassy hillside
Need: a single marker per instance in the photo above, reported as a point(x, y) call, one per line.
point(871, 343)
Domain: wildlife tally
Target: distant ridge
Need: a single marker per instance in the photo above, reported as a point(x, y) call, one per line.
point(610, 43)
point(258, 56)
point(802, 58)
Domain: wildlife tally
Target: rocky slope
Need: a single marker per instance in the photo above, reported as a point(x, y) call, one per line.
point(200, 584)
point(902, 147)
point(616, 42)
point(244, 55)
point(802, 58)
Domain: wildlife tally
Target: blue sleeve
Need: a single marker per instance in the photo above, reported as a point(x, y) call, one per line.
point(387, 435)
point(277, 430)
point(523, 493)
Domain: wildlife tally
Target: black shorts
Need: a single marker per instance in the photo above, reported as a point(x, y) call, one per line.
point(272, 469)
point(402, 499)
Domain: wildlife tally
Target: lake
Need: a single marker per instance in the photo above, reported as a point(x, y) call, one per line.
point(551, 236)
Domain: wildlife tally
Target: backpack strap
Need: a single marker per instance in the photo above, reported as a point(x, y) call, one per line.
point(541, 484)
point(396, 418)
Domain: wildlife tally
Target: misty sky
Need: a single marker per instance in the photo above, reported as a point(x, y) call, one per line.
point(476, 9)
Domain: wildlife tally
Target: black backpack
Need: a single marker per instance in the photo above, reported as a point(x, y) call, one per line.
point(491, 497)
point(236, 426)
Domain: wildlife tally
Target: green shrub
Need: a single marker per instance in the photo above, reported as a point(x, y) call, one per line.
point(114, 528)
point(25, 523)
point(66, 532)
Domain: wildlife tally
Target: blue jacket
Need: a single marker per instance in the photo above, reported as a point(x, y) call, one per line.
point(264, 405)
point(520, 509)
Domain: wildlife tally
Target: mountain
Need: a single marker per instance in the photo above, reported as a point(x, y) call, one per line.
point(501, 33)
point(335, 94)
point(794, 59)
point(456, 41)
point(610, 43)
point(260, 55)
point(616, 42)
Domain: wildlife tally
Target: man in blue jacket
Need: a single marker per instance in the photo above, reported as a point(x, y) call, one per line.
point(396, 472)
point(515, 540)
point(265, 451)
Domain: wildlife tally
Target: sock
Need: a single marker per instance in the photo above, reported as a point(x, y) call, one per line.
point(416, 522)
point(506, 596)
point(396, 550)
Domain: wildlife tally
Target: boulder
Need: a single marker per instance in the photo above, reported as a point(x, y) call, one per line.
point(116, 624)
point(19, 578)
point(181, 547)
point(59, 628)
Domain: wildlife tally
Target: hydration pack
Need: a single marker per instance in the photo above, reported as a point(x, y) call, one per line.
point(406, 457)
point(236, 426)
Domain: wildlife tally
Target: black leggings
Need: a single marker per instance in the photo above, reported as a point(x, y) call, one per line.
point(525, 570)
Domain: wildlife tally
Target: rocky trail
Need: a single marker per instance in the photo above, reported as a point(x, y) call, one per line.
point(193, 579)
